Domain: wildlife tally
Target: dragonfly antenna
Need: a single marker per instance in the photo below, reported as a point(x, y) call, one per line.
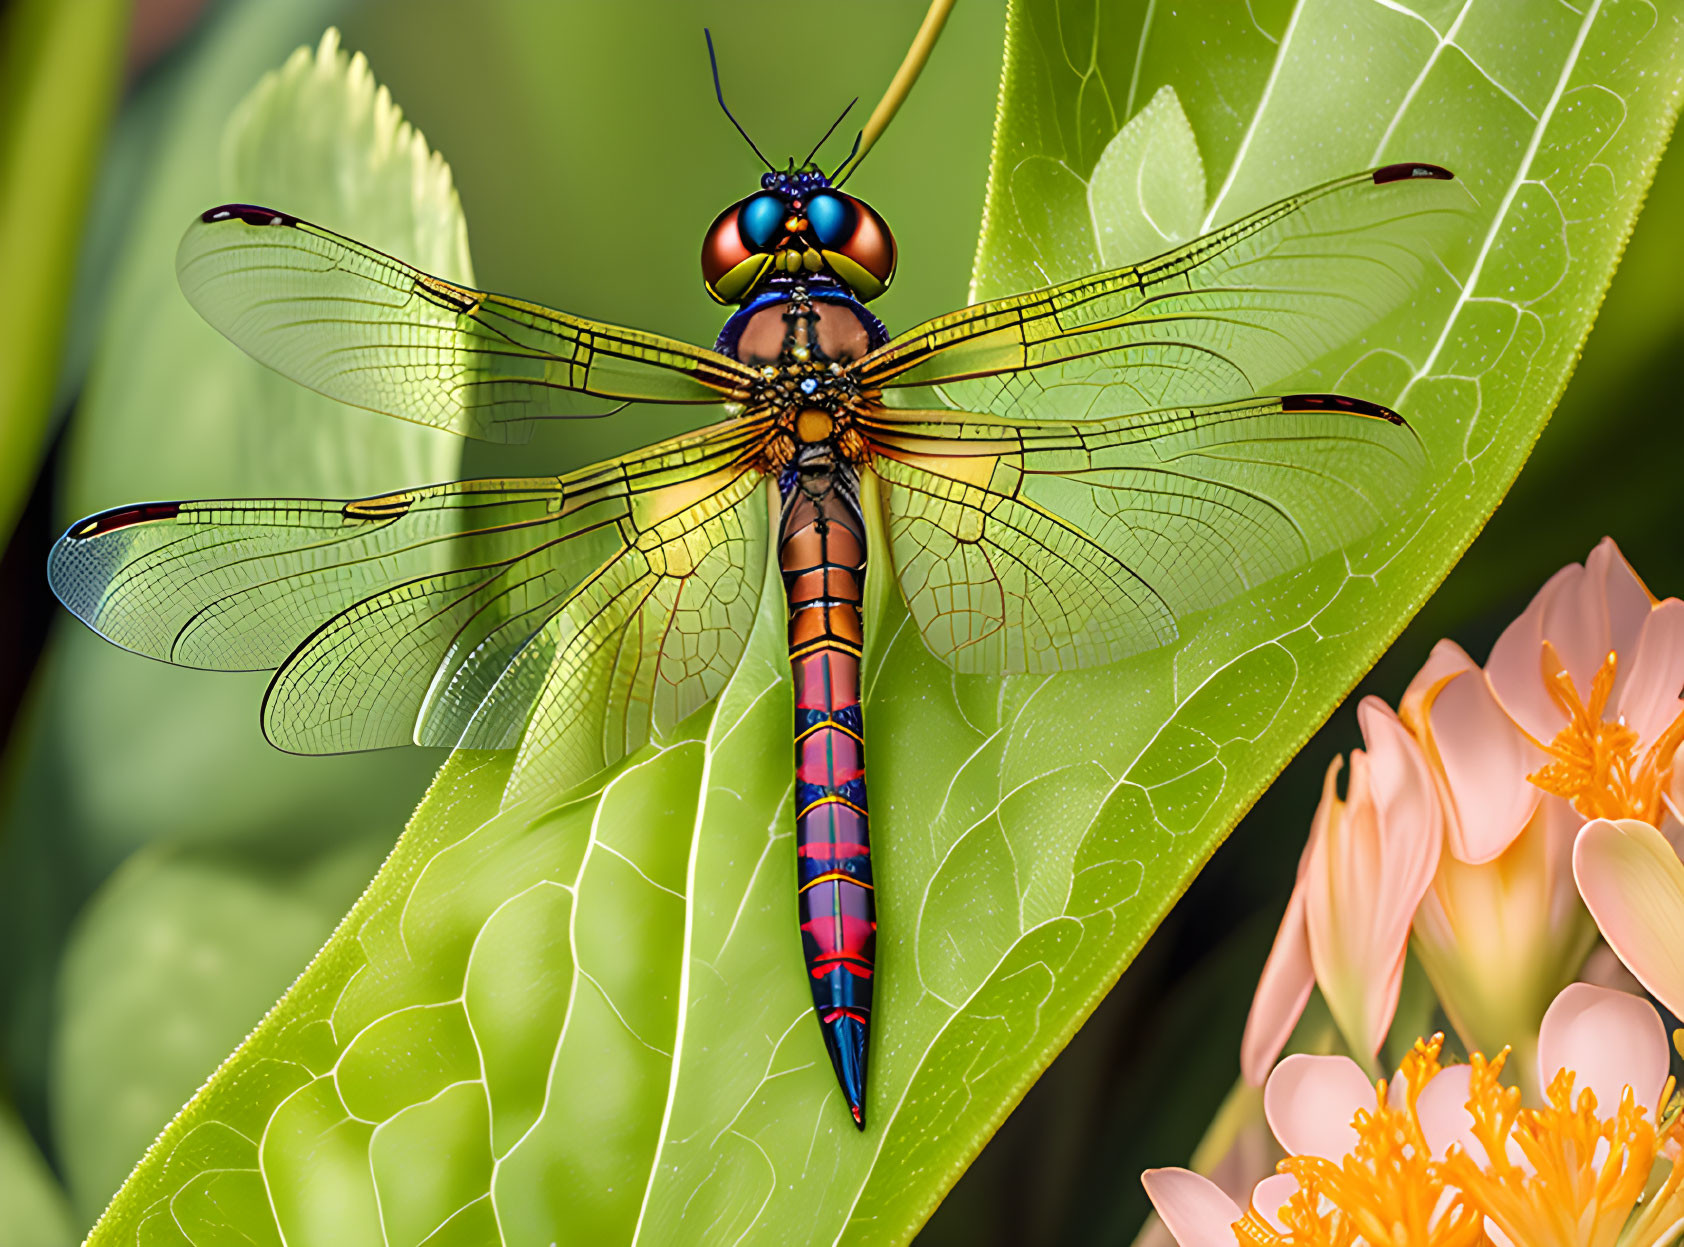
point(852, 152)
point(718, 91)
point(829, 132)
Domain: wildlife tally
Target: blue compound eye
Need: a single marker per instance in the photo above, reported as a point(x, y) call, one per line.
point(832, 218)
point(761, 221)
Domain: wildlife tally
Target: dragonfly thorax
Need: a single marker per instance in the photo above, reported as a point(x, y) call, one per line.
point(800, 342)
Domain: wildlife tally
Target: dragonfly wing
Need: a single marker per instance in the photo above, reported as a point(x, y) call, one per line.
point(1055, 546)
point(359, 326)
point(651, 639)
point(1220, 318)
point(457, 614)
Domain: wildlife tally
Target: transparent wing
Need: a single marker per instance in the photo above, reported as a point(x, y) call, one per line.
point(1218, 319)
point(615, 600)
point(1056, 546)
point(357, 325)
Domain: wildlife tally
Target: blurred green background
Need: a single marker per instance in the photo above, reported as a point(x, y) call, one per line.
point(164, 874)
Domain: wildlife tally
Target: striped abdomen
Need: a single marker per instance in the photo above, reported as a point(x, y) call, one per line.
point(821, 551)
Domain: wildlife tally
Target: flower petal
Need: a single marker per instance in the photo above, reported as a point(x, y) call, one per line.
point(1584, 612)
point(1447, 658)
point(1496, 940)
point(1283, 989)
point(1310, 1102)
point(1485, 760)
point(1193, 1207)
point(1626, 599)
point(1442, 1110)
point(1609, 1040)
point(1576, 622)
point(1411, 820)
point(1368, 874)
point(1633, 884)
point(1672, 807)
point(1272, 1194)
point(1651, 674)
point(1515, 667)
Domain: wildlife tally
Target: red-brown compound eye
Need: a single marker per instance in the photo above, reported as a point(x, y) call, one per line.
point(855, 242)
point(731, 265)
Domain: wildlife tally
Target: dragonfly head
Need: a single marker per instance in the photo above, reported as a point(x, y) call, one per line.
point(797, 223)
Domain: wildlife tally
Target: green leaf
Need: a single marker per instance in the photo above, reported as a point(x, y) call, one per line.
point(1147, 192)
point(61, 64)
point(588, 1023)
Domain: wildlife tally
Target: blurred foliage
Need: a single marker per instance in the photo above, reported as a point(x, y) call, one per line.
point(116, 754)
point(176, 943)
point(587, 178)
point(33, 1209)
point(60, 64)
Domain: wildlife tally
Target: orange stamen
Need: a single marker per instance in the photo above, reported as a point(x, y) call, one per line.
point(1387, 1192)
point(1564, 1192)
point(1596, 764)
point(1557, 1176)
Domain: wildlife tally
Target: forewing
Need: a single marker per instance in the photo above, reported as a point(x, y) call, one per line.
point(1218, 319)
point(649, 640)
point(357, 325)
point(449, 615)
point(1056, 546)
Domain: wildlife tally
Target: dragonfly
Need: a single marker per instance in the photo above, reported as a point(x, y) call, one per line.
point(1055, 480)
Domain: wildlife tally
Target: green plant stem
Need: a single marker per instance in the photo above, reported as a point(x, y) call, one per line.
point(61, 62)
point(900, 86)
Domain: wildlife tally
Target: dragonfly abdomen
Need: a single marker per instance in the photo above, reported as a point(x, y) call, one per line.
point(822, 552)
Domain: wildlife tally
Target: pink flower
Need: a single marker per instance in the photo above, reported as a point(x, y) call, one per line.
point(1369, 859)
point(1324, 1111)
point(1446, 1155)
point(1500, 939)
point(1500, 930)
point(1598, 1155)
point(1576, 714)
point(1480, 760)
point(1591, 671)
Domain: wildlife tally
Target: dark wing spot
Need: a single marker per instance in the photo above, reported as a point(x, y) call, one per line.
point(1338, 402)
point(386, 507)
point(453, 298)
point(249, 214)
point(122, 517)
point(1404, 172)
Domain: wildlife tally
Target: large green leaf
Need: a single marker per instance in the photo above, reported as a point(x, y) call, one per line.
point(587, 1023)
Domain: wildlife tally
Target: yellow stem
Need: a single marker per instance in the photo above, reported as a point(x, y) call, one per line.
point(923, 43)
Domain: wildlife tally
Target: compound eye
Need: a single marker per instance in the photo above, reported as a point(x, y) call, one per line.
point(832, 218)
point(761, 221)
